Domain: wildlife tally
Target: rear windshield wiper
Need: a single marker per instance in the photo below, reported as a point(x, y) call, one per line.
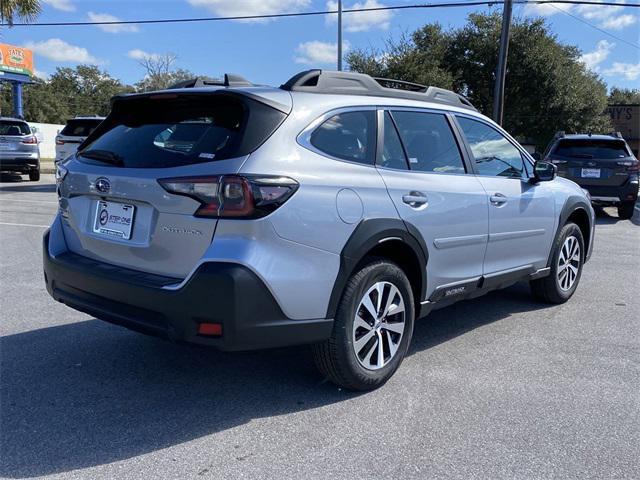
point(103, 156)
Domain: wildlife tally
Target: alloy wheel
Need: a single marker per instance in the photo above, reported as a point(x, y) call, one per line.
point(569, 263)
point(378, 325)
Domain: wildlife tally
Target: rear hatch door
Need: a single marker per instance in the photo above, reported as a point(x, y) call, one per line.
point(73, 134)
point(592, 162)
point(13, 135)
point(114, 208)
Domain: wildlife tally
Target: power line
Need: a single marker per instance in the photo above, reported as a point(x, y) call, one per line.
point(635, 45)
point(319, 12)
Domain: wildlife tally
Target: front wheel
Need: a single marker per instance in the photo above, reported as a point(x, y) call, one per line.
point(625, 210)
point(566, 267)
point(372, 329)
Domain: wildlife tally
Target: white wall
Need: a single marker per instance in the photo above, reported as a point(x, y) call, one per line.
point(46, 133)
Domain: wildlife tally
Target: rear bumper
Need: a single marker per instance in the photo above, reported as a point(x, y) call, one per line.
point(218, 292)
point(19, 163)
point(628, 192)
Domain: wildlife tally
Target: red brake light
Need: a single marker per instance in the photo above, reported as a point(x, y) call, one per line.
point(233, 196)
point(59, 142)
point(30, 140)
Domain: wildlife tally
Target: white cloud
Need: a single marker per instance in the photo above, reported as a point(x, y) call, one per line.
point(545, 9)
point(361, 21)
point(64, 5)
point(105, 17)
point(316, 52)
point(61, 51)
point(40, 74)
point(593, 59)
point(619, 22)
point(630, 71)
point(606, 16)
point(138, 54)
point(240, 8)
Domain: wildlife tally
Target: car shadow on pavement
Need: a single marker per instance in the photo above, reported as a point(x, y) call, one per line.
point(88, 393)
point(609, 217)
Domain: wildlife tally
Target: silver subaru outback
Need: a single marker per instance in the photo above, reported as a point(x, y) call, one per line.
point(334, 211)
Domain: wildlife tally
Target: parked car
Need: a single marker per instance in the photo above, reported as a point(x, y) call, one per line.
point(602, 164)
point(19, 150)
point(333, 211)
point(73, 134)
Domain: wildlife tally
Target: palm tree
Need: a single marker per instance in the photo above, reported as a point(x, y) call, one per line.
point(26, 10)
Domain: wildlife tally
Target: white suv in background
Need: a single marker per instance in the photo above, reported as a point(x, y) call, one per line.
point(73, 134)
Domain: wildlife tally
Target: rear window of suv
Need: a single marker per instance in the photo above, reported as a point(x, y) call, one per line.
point(603, 149)
point(169, 130)
point(80, 127)
point(11, 128)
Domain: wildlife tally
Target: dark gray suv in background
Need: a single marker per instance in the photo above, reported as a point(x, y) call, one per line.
point(601, 164)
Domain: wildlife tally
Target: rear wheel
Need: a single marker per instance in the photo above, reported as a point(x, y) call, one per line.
point(372, 329)
point(625, 210)
point(566, 267)
point(34, 175)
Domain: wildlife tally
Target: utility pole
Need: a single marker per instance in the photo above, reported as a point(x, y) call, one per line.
point(339, 35)
point(501, 70)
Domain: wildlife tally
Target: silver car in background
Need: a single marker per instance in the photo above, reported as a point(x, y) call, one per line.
point(334, 211)
point(19, 149)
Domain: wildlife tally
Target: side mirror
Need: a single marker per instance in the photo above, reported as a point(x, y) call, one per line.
point(544, 171)
point(536, 156)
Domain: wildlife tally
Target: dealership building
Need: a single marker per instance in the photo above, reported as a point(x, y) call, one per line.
point(626, 120)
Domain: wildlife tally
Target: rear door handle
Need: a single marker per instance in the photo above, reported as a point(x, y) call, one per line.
point(498, 199)
point(415, 199)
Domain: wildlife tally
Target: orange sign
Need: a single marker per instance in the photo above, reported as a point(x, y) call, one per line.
point(16, 60)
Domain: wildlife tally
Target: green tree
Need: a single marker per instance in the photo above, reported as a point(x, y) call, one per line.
point(624, 96)
point(547, 87)
point(26, 10)
point(83, 90)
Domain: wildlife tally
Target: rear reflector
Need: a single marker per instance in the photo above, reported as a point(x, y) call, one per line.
point(210, 329)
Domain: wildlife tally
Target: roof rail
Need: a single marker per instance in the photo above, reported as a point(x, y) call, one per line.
point(559, 134)
point(616, 134)
point(229, 80)
point(351, 83)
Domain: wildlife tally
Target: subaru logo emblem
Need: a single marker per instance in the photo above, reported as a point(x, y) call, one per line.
point(103, 185)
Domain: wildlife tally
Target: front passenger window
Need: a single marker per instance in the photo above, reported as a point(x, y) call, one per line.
point(493, 153)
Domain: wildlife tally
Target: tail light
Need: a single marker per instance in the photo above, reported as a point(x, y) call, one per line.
point(30, 140)
point(59, 141)
point(557, 161)
point(233, 196)
point(630, 165)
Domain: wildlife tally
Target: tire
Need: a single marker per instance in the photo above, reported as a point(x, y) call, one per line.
point(34, 175)
point(625, 210)
point(336, 358)
point(558, 287)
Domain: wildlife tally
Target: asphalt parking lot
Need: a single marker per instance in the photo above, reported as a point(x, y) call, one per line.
point(497, 387)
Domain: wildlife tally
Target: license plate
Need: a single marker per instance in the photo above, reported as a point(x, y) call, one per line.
point(590, 173)
point(114, 219)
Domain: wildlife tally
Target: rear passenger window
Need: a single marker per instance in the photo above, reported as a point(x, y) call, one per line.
point(493, 153)
point(392, 155)
point(429, 142)
point(348, 136)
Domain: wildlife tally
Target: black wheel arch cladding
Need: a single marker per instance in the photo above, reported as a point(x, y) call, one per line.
point(369, 234)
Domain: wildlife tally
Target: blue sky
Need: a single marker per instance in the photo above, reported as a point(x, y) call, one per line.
point(270, 52)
